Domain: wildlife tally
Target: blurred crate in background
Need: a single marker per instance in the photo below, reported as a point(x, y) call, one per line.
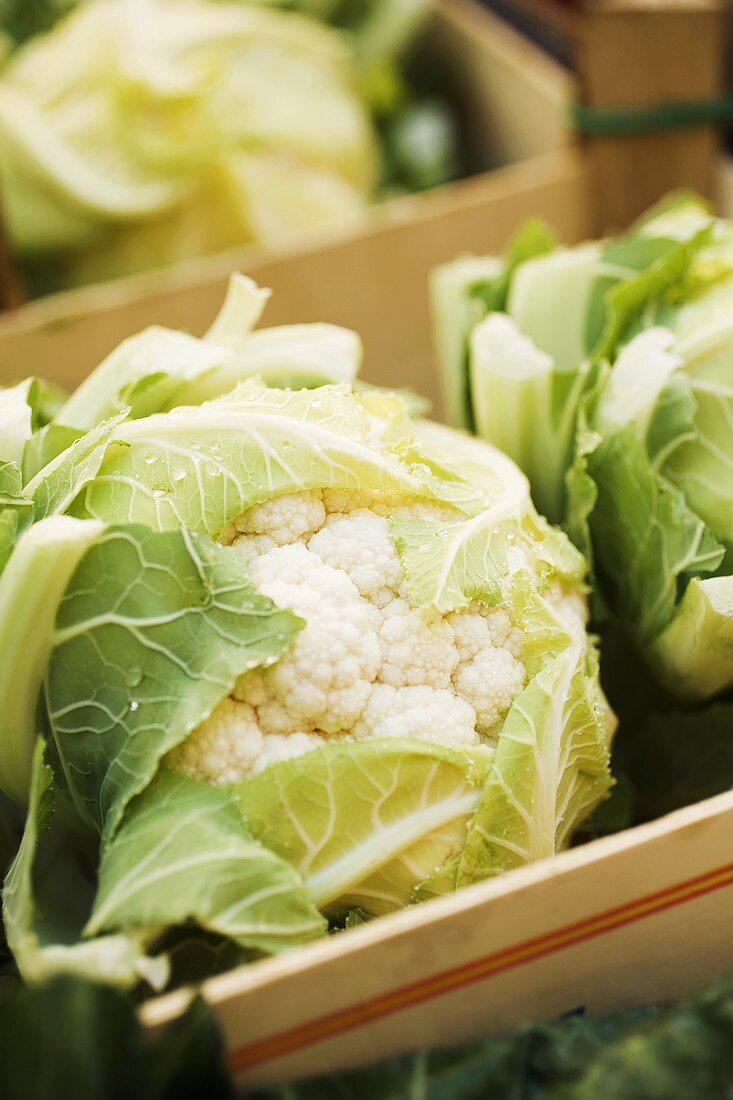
point(650, 79)
point(726, 180)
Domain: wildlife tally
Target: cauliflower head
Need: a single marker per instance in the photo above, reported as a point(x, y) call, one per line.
point(416, 702)
point(436, 609)
point(298, 650)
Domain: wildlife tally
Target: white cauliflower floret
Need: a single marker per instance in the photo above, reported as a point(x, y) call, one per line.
point(388, 505)
point(420, 712)
point(360, 544)
point(490, 682)
point(418, 647)
point(284, 519)
point(503, 631)
point(223, 749)
point(344, 501)
point(489, 626)
point(277, 748)
point(323, 681)
point(571, 606)
point(470, 633)
point(252, 546)
point(367, 663)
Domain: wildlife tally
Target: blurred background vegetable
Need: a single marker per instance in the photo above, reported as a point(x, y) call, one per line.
point(136, 133)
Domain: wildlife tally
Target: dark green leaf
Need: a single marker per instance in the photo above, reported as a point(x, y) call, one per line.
point(534, 238)
point(656, 266)
point(686, 1054)
point(74, 1040)
point(645, 538)
point(679, 758)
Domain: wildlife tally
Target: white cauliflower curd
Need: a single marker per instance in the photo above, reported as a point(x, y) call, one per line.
point(369, 662)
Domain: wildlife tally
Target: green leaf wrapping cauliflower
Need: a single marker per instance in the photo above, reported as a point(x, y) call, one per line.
point(138, 134)
point(295, 651)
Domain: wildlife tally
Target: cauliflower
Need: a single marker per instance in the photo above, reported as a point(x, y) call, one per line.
point(299, 651)
point(323, 682)
point(369, 663)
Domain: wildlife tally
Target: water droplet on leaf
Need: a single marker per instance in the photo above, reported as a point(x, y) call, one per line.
point(133, 677)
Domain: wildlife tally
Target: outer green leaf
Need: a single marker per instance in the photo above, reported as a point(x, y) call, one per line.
point(478, 463)
point(200, 468)
point(672, 422)
point(9, 530)
point(59, 482)
point(550, 301)
point(151, 634)
point(118, 959)
point(662, 265)
point(31, 587)
point(634, 386)
point(462, 293)
point(159, 368)
point(702, 465)
point(534, 238)
point(693, 655)
point(455, 312)
point(141, 375)
point(182, 853)
point(44, 446)
point(512, 384)
point(646, 539)
point(290, 356)
point(45, 399)
point(551, 762)
point(582, 493)
point(11, 487)
point(16, 426)
point(241, 310)
point(364, 823)
point(449, 565)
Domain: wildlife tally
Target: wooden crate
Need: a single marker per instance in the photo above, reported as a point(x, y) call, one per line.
point(636, 62)
point(640, 916)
